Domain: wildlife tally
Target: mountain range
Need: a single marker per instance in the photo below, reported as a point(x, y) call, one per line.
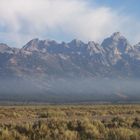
point(40, 63)
point(113, 58)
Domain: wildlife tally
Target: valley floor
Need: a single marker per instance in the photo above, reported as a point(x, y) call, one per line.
point(70, 122)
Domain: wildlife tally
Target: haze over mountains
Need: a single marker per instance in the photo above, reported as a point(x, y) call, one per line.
point(67, 71)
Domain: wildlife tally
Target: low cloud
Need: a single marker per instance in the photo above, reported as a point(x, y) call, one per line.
point(21, 21)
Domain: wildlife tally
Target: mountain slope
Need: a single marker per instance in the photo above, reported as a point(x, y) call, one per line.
point(113, 58)
point(72, 69)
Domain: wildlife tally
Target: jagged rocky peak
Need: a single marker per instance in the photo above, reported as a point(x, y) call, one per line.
point(135, 52)
point(4, 48)
point(64, 44)
point(116, 41)
point(92, 43)
point(33, 41)
point(76, 43)
point(50, 42)
point(94, 47)
point(31, 45)
point(137, 46)
point(39, 45)
point(117, 35)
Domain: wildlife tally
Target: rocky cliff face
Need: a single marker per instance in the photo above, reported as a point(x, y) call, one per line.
point(113, 58)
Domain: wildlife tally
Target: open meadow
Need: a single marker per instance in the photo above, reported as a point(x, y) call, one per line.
point(70, 122)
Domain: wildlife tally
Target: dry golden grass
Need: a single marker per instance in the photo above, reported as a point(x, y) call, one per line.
point(70, 122)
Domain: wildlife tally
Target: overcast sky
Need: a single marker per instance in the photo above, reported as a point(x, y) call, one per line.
point(63, 20)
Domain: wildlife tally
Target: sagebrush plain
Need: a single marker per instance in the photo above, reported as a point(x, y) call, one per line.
point(70, 122)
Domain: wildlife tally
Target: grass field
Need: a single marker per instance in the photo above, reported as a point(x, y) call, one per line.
point(70, 122)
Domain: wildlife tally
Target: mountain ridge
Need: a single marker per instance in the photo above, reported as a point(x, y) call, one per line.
point(46, 70)
point(49, 57)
